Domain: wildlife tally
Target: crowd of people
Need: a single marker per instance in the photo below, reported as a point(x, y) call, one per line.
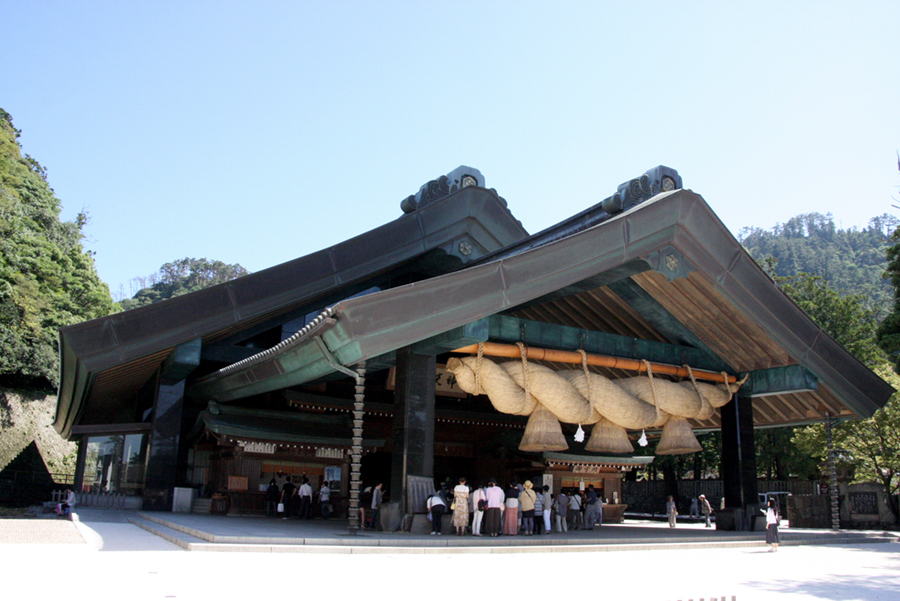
point(289, 500)
point(513, 510)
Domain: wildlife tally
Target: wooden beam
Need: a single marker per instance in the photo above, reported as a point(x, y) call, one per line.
point(505, 328)
point(494, 349)
point(779, 380)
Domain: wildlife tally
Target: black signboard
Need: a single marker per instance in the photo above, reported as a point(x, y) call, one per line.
point(864, 503)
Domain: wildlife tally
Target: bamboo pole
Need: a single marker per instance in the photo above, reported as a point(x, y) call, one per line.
point(495, 349)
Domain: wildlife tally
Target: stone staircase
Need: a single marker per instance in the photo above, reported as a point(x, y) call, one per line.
point(201, 506)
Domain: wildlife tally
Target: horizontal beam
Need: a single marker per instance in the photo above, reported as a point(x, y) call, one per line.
point(493, 349)
point(109, 429)
point(505, 328)
point(779, 380)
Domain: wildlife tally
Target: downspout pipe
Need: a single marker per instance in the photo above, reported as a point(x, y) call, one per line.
point(333, 362)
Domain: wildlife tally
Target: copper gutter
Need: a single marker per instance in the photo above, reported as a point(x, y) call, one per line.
point(495, 349)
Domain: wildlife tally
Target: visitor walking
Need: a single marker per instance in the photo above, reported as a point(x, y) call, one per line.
point(772, 537)
point(706, 509)
point(377, 499)
point(671, 511)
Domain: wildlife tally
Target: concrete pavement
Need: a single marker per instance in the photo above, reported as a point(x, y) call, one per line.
point(118, 560)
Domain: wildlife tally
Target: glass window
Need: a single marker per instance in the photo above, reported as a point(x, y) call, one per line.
point(115, 464)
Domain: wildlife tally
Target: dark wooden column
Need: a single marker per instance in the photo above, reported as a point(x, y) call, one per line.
point(739, 457)
point(166, 461)
point(81, 458)
point(413, 439)
point(162, 463)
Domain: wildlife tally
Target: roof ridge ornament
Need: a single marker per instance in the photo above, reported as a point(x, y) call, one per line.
point(461, 177)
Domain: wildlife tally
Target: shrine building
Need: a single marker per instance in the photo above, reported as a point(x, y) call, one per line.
point(449, 342)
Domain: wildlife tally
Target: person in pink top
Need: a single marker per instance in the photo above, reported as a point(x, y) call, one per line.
point(492, 515)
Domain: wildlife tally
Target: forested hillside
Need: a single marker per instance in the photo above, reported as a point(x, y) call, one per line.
point(181, 277)
point(47, 280)
point(851, 261)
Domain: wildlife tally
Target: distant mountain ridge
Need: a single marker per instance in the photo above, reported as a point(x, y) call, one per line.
point(851, 261)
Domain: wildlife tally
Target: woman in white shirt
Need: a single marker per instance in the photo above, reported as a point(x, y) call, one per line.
point(772, 537)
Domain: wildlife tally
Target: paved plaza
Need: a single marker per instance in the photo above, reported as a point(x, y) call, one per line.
point(106, 556)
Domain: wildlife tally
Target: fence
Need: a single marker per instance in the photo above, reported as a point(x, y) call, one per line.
point(23, 488)
point(649, 495)
point(101, 500)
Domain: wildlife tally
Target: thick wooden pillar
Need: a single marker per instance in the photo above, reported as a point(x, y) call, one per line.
point(413, 439)
point(167, 459)
point(162, 462)
point(80, 460)
point(739, 458)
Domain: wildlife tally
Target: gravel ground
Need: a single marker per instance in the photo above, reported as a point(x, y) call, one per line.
point(40, 532)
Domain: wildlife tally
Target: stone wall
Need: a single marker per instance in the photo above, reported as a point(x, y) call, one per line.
point(866, 506)
point(27, 416)
point(809, 511)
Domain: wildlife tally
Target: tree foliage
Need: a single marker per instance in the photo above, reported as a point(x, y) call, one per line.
point(47, 280)
point(181, 277)
point(870, 446)
point(850, 261)
point(888, 334)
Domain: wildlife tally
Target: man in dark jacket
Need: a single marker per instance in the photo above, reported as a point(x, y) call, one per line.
point(287, 497)
point(272, 495)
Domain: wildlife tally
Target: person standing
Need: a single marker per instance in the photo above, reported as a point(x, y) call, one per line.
point(538, 512)
point(305, 494)
point(287, 498)
point(671, 511)
point(272, 495)
point(548, 509)
point(695, 508)
point(436, 507)
point(479, 505)
point(562, 508)
point(324, 500)
point(494, 513)
point(526, 504)
point(705, 509)
point(590, 508)
point(511, 515)
point(377, 498)
point(461, 507)
point(772, 537)
point(575, 509)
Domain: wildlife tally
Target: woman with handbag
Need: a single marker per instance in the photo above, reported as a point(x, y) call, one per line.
point(479, 505)
point(460, 507)
point(527, 502)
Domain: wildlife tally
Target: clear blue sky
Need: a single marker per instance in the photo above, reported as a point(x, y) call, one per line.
point(255, 133)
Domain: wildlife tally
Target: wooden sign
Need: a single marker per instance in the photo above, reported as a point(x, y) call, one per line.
point(444, 382)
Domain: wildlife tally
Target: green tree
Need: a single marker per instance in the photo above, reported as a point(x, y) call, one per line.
point(850, 261)
point(47, 280)
point(870, 446)
point(181, 277)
